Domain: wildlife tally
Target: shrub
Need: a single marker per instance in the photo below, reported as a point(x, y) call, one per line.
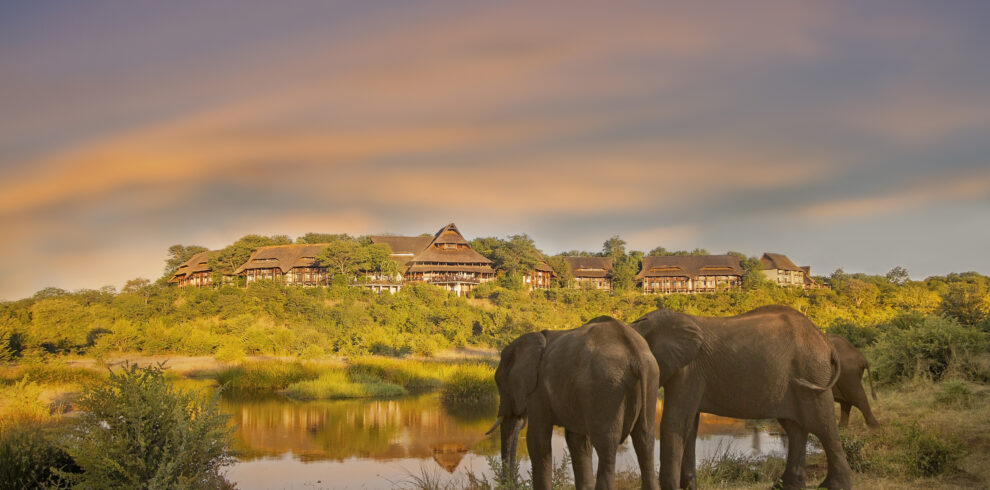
point(31, 458)
point(925, 454)
point(726, 466)
point(229, 352)
point(859, 336)
point(853, 447)
point(955, 393)
point(22, 403)
point(926, 348)
point(138, 431)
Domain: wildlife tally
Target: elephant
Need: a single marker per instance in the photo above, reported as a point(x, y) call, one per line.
point(848, 391)
point(771, 362)
point(599, 381)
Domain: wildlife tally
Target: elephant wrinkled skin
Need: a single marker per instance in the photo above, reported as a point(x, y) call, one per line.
point(848, 391)
point(771, 362)
point(598, 381)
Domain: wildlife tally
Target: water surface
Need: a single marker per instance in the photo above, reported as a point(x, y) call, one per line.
point(381, 443)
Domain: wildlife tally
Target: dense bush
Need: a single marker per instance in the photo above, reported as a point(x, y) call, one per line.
point(135, 430)
point(30, 457)
point(926, 347)
point(275, 320)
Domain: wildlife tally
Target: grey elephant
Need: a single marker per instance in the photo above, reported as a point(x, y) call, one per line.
point(848, 391)
point(771, 362)
point(599, 381)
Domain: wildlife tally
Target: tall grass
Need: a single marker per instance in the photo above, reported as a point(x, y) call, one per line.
point(727, 467)
point(338, 384)
point(470, 383)
point(268, 375)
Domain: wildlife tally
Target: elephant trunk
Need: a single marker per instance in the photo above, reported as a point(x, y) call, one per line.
point(511, 426)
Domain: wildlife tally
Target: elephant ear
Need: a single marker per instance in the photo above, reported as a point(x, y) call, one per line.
point(518, 371)
point(674, 339)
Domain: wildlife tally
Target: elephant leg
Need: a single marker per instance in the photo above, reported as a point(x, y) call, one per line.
point(862, 402)
point(606, 445)
point(679, 412)
point(797, 443)
point(643, 443)
point(689, 478)
point(580, 447)
point(820, 421)
point(844, 417)
point(538, 442)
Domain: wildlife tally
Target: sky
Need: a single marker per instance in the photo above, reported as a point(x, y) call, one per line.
point(843, 134)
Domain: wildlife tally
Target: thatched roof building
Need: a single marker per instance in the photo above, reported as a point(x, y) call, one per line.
point(779, 270)
point(194, 272)
point(449, 261)
point(690, 273)
point(595, 272)
point(295, 263)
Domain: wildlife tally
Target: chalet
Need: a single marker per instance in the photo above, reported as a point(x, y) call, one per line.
point(781, 271)
point(690, 273)
point(195, 272)
point(591, 272)
point(449, 262)
point(288, 264)
point(540, 277)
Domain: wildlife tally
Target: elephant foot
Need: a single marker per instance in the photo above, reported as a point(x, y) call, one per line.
point(788, 484)
point(689, 482)
point(833, 484)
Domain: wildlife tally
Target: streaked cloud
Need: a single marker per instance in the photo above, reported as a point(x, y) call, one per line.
point(125, 128)
point(970, 187)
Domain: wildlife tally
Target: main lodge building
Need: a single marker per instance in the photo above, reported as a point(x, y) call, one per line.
point(447, 260)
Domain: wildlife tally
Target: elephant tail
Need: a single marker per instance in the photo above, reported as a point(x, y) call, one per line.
point(869, 376)
point(836, 369)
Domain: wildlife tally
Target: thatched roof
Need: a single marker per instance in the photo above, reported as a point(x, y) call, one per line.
point(284, 257)
point(404, 248)
point(778, 261)
point(589, 266)
point(449, 247)
point(449, 234)
point(197, 263)
point(691, 266)
point(543, 266)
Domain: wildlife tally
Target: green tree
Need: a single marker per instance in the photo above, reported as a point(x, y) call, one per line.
point(898, 276)
point(317, 238)
point(342, 255)
point(562, 270)
point(614, 247)
point(136, 430)
point(517, 255)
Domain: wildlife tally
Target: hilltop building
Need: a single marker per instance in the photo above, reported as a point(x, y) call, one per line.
point(291, 264)
point(591, 272)
point(449, 262)
point(779, 270)
point(690, 273)
point(194, 272)
point(540, 277)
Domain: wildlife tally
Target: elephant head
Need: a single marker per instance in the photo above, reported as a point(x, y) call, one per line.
point(517, 376)
point(674, 339)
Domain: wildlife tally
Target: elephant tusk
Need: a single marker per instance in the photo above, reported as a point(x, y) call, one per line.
point(497, 421)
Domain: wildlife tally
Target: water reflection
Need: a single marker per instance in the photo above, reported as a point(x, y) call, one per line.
point(375, 443)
